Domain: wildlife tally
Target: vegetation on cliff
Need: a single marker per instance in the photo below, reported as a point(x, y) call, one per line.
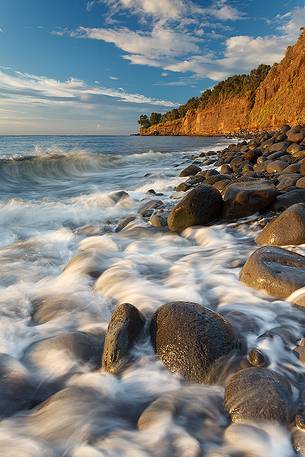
point(245, 84)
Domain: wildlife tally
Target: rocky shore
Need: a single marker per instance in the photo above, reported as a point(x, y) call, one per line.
point(175, 325)
point(264, 177)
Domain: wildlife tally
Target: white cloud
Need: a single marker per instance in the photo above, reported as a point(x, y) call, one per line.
point(18, 87)
point(114, 78)
point(152, 45)
point(174, 10)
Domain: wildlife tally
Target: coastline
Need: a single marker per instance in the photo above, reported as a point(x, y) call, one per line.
point(138, 272)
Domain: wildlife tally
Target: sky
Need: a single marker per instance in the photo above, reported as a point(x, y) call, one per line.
point(94, 66)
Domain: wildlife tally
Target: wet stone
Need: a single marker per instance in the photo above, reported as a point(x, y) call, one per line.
point(277, 271)
point(125, 327)
point(259, 394)
point(286, 229)
point(191, 170)
point(189, 338)
point(201, 206)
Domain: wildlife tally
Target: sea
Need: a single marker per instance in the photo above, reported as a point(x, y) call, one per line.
point(61, 200)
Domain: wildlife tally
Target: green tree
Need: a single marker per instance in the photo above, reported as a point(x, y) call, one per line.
point(144, 121)
point(155, 118)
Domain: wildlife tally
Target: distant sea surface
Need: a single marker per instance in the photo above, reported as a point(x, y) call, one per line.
point(64, 268)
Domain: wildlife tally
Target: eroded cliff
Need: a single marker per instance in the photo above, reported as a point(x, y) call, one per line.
point(279, 99)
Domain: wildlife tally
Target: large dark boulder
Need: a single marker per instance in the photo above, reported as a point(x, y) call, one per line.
point(201, 206)
point(259, 394)
point(287, 199)
point(288, 228)
point(242, 199)
point(191, 170)
point(189, 338)
point(125, 327)
point(277, 271)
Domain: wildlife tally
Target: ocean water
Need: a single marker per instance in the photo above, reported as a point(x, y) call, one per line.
point(60, 201)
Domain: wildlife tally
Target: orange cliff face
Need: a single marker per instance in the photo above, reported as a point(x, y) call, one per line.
point(279, 99)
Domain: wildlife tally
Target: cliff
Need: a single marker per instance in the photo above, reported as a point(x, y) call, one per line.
point(279, 99)
point(224, 117)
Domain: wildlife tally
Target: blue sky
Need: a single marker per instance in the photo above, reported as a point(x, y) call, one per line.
point(92, 67)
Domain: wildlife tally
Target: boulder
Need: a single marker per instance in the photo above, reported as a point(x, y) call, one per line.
point(295, 137)
point(277, 271)
point(285, 181)
point(288, 228)
point(259, 394)
point(276, 167)
point(189, 338)
point(125, 327)
point(287, 199)
point(201, 206)
point(294, 148)
point(282, 146)
point(245, 198)
point(225, 169)
point(191, 170)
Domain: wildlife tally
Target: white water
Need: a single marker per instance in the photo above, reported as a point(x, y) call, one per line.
point(49, 205)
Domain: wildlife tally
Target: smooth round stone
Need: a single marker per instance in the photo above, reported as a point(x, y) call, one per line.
point(125, 327)
point(286, 229)
point(191, 170)
point(189, 338)
point(295, 137)
point(201, 206)
point(274, 270)
point(247, 197)
point(259, 394)
point(276, 167)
